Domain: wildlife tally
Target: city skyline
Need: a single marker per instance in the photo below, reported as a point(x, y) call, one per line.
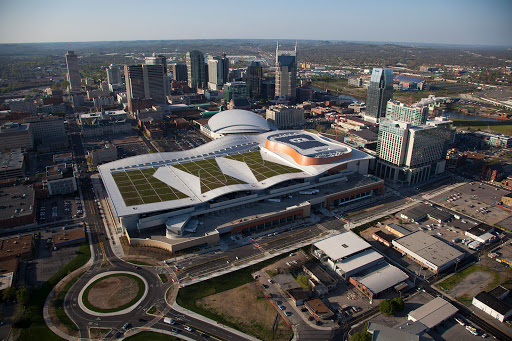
point(455, 22)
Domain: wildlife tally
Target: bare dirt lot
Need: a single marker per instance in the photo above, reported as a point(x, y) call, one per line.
point(113, 292)
point(247, 306)
point(472, 284)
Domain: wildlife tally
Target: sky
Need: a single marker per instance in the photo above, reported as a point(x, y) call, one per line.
point(472, 22)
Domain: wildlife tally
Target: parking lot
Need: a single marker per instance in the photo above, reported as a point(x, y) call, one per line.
point(59, 208)
point(477, 200)
point(451, 330)
point(131, 149)
point(37, 271)
point(188, 140)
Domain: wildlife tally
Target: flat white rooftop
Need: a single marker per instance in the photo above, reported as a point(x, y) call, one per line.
point(382, 278)
point(433, 312)
point(358, 260)
point(429, 248)
point(342, 245)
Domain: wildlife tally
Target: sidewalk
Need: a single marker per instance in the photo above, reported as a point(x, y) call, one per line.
point(190, 313)
point(134, 331)
point(107, 218)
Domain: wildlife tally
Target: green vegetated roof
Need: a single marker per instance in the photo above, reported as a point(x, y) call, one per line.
point(260, 168)
point(139, 187)
point(209, 174)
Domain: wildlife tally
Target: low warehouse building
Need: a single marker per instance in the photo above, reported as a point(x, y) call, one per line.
point(69, 237)
point(361, 261)
point(428, 251)
point(398, 230)
point(378, 279)
point(317, 308)
point(482, 233)
point(492, 305)
point(433, 313)
point(298, 296)
point(338, 247)
point(422, 211)
point(383, 237)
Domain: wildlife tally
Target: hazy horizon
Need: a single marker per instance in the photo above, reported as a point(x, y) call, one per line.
point(459, 22)
point(263, 39)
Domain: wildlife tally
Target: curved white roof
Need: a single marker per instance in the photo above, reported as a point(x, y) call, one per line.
point(238, 121)
point(226, 157)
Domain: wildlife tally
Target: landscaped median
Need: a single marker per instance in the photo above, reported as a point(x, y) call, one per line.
point(113, 293)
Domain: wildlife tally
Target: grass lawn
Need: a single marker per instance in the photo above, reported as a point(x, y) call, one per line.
point(152, 310)
point(37, 330)
point(152, 336)
point(59, 305)
point(140, 187)
point(262, 169)
point(453, 281)
point(98, 333)
point(88, 305)
point(163, 277)
point(208, 171)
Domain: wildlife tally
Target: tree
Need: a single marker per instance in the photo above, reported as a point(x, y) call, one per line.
point(20, 314)
point(303, 281)
point(361, 336)
point(9, 294)
point(386, 307)
point(398, 304)
point(22, 295)
point(391, 307)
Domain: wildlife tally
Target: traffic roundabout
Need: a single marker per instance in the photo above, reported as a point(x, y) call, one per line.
point(113, 293)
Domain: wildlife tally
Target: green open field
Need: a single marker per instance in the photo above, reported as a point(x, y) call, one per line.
point(209, 173)
point(260, 168)
point(504, 127)
point(140, 187)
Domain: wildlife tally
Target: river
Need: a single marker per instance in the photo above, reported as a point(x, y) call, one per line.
point(450, 114)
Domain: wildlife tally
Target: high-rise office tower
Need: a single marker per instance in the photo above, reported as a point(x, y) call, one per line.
point(380, 91)
point(145, 82)
point(196, 69)
point(235, 90)
point(179, 72)
point(113, 74)
point(157, 60)
point(160, 60)
point(73, 71)
point(410, 154)
point(286, 73)
point(255, 79)
point(218, 70)
point(415, 114)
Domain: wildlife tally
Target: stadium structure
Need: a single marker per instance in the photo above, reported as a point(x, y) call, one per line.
point(249, 179)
